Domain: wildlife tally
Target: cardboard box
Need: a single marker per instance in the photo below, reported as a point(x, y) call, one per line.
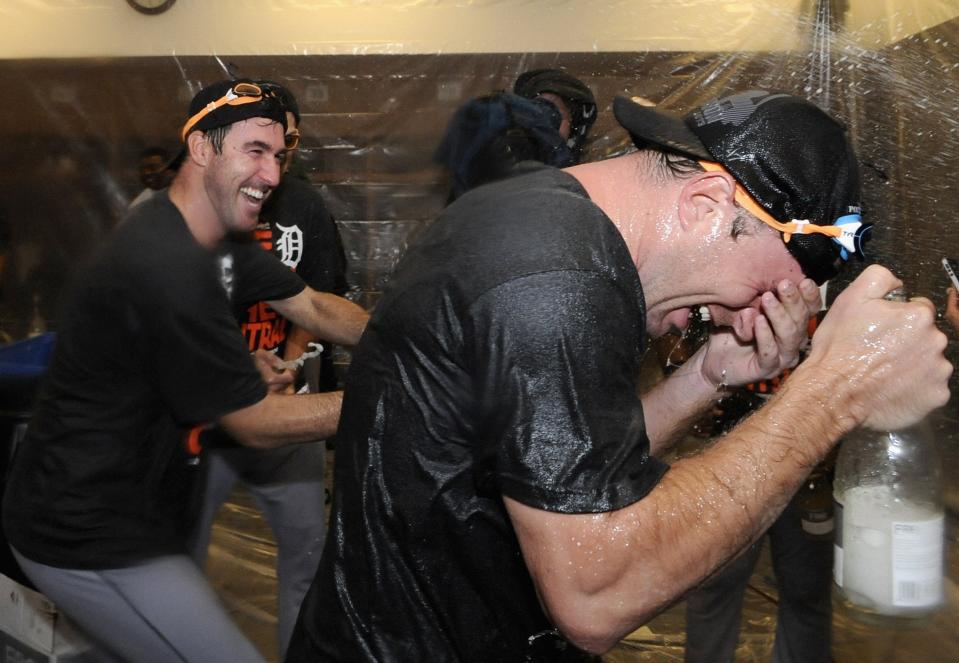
point(32, 631)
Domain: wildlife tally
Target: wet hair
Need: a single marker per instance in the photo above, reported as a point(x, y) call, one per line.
point(216, 136)
point(675, 165)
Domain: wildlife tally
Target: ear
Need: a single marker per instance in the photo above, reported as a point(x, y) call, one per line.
point(707, 198)
point(198, 148)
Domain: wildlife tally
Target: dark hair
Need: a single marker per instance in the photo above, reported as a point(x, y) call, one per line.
point(670, 164)
point(216, 136)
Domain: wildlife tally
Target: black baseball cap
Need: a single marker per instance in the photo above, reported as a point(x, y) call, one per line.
point(284, 95)
point(230, 101)
point(791, 157)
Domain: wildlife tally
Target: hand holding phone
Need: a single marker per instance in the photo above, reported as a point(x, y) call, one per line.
point(952, 298)
point(951, 267)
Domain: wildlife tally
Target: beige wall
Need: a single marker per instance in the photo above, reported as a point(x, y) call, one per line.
point(106, 28)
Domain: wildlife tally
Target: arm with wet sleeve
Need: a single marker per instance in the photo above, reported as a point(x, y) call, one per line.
point(600, 575)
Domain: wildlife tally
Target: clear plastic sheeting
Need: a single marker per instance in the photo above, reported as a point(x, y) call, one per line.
point(374, 113)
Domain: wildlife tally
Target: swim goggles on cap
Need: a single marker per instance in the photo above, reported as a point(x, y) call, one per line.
point(847, 231)
point(238, 95)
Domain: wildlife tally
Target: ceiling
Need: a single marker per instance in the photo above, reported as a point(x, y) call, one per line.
point(109, 28)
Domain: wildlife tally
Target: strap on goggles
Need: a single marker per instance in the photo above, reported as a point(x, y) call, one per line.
point(847, 231)
point(238, 95)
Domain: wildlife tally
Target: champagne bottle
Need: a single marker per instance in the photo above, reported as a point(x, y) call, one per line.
point(889, 523)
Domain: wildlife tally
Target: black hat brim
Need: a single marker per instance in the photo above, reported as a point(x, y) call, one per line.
point(647, 125)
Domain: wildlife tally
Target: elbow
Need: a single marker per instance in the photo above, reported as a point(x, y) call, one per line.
point(590, 634)
point(245, 426)
point(592, 623)
point(597, 621)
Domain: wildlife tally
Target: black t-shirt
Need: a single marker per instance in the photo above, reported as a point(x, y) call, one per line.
point(296, 226)
point(148, 347)
point(501, 360)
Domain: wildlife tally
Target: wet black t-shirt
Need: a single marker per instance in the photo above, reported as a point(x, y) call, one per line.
point(501, 360)
point(147, 347)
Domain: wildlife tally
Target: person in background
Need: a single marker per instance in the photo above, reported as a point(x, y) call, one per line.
point(286, 483)
point(96, 509)
point(570, 96)
point(545, 119)
point(499, 491)
point(156, 170)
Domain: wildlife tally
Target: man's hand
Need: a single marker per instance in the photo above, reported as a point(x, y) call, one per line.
point(763, 343)
point(888, 354)
point(952, 308)
point(277, 378)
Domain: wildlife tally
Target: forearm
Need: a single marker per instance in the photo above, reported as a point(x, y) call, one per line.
point(872, 362)
point(344, 320)
point(325, 315)
point(281, 419)
point(732, 492)
point(626, 566)
point(676, 403)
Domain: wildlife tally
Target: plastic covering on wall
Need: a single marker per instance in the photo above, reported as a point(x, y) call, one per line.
point(73, 130)
point(372, 123)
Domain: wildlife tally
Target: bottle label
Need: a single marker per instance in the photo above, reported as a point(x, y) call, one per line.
point(917, 562)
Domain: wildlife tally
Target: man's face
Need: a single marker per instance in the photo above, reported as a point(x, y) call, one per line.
point(728, 280)
point(239, 179)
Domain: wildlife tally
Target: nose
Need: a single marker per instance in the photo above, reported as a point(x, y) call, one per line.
point(270, 171)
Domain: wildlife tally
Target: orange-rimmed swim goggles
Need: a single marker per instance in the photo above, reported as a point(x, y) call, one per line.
point(238, 95)
point(847, 230)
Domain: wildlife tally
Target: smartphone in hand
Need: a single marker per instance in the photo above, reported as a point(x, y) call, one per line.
point(952, 268)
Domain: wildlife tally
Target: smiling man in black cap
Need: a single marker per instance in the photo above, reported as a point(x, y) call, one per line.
point(147, 351)
point(499, 495)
